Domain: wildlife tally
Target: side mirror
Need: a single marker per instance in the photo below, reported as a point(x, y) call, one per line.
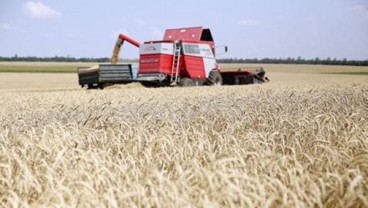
point(221, 50)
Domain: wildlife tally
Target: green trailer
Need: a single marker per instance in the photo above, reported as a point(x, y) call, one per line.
point(104, 75)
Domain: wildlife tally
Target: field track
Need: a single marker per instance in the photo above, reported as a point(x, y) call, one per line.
point(68, 81)
point(48, 77)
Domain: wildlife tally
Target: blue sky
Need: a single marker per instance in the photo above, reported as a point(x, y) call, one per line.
point(250, 28)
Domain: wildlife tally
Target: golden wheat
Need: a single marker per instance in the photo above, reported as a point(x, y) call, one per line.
point(272, 145)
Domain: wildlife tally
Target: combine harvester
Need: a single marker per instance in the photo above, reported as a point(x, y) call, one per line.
point(185, 57)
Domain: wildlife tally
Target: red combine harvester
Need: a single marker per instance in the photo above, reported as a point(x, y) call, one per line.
point(185, 57)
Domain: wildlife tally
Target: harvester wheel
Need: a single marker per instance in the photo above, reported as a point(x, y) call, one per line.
point(214, 78)
point(149, 84)
point(186, 82)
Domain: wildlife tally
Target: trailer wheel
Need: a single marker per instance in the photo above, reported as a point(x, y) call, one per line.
point(214, 78)
point(186, 82)
point(101, 86)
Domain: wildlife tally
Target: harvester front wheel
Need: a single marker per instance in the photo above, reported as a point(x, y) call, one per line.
point(186, 82)
point(214, 78)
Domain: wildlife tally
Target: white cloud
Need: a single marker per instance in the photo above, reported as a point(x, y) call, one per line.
point(360, 9)
point(248, 22)
point(4, 26)
point(40, 10)
point(116, 32)
point(156, 32)
point(140, 22)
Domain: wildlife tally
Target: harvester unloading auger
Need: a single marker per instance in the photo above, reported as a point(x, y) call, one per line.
point(184, 57)
point(118, 44)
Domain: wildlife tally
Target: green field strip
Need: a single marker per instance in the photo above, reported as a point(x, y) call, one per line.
point(38, 69)
point(349, 73)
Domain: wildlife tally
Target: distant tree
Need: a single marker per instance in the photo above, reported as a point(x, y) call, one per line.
point(344, 61)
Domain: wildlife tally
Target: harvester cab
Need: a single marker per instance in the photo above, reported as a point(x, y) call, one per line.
point(184, 53)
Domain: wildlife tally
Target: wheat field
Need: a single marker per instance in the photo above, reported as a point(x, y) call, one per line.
point(302, 143)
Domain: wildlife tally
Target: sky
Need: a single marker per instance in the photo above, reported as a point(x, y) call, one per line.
point(250, 28)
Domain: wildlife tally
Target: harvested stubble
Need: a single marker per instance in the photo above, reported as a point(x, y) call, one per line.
point(241, 146)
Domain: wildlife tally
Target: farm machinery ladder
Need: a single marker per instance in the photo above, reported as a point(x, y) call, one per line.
point(176, 63)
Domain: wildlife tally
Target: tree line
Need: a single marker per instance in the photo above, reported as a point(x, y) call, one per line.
point(299, 60)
